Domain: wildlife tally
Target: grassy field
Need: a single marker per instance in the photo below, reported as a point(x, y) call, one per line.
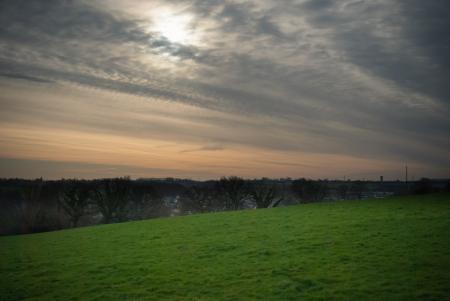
point(390, 249)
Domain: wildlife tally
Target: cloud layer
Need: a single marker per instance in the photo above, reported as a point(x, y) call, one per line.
point(367, 81)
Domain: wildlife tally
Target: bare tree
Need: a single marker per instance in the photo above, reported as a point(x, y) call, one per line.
point(343, 190)
point(30, 208)
point(196, 199)
point(147, 204)
point(264, 194)
point(233, 191)
point(309, 190)
point(112, 197)
point(357, 188)
point(74, 199)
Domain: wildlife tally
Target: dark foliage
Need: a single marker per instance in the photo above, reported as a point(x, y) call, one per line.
point(112, 197)
point(233, 191)
point(343, 191)
point(33, 210)
point(197, 199)
point(264, 194)
point(423, 186)
point(30, 209)
point(357, 188)
point(28, 206)
point(73, 200)
point(308, 190)
point(146, 202)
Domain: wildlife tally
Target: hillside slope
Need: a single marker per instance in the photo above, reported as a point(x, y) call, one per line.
point(390, 249)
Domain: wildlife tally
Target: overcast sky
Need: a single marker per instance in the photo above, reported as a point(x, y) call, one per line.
point(209, 88)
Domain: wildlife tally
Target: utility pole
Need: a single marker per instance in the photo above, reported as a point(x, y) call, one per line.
point(406, 174)
point(406, 178)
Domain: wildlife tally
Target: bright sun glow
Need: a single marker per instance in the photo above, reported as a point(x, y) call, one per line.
point(174, 27)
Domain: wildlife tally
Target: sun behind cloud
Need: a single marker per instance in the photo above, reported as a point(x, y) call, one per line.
point(175, 27)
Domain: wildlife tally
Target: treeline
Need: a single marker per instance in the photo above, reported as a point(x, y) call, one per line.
point(29, 206)
point(38, 205)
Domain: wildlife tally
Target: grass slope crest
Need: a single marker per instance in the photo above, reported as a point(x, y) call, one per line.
point(391, 249)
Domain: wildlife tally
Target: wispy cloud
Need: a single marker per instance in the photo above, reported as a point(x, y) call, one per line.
point(365, 79)
point(207, 148)
point(25, 77)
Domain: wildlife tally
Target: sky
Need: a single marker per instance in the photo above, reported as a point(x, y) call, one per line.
point(208, 88)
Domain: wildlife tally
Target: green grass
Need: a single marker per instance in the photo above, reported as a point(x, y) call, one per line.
point(390, 249)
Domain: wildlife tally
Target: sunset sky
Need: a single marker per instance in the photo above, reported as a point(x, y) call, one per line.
point(206, 88)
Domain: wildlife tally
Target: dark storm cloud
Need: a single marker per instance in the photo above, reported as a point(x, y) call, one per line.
point(364, 78)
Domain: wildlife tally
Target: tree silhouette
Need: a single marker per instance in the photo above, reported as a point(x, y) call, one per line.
point(233, 191)
point(309, 190)
point(74, 199)
point(264, 194)
point(357, 188)
point(146, 204)
point(112, 197)
point(31, 209)
point(343, 190)
point(196, 199)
